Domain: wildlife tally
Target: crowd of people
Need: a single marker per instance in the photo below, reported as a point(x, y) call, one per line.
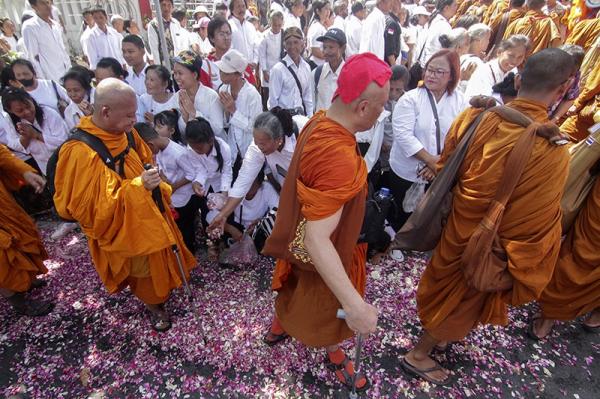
point(303, 112)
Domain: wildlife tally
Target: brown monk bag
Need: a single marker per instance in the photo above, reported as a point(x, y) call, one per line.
point(484, 261)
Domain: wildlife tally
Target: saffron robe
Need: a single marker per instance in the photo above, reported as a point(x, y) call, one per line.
point(540, 28)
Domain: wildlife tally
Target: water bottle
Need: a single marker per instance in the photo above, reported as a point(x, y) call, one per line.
point(383, 194)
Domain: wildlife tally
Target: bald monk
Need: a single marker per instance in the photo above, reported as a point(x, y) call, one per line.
point(575, 286)
point(529, 230)
point(320, 217)
point(540, 28)
point(585, 33)
point(22, 254)
point(499, 23)
point(129, 239)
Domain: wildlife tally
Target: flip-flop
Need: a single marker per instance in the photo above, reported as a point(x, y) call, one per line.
point(591, 329)
point(277, 338)
point(442, 349)
point(422, 373)
point(345, 377)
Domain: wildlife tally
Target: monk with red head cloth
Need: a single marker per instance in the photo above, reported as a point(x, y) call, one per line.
point(320, 267)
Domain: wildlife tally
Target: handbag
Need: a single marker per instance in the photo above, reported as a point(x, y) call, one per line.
point(583, 170)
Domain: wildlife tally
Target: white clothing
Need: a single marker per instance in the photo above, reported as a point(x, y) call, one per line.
point(249, 211)
point(371, 40)
point(244, 39)
point(353, 35)
point(484, 77)
point(100, 44)
point(291, 20)
point(172, 162)
point(44, 94)
point(283, 90)
point(269, 51)
point(208, 106)
point(414, 128)
point(278, 7)
point(12, 42)
point(147, 104)
point(212, 70)
point(138, 82)
point(465, 61)
point(45, 48)
point(204, 44)
point(84, 38)
point(340, 23)
point(374, 136)
point(419, 35)
point(247, 106)
point(326, 86)
point(73, 115)
point(55, 133)
point(179, 36)
point(254, 162)
point(204, 169)
point(438, 27)
point(315, 31)
point(10, 138)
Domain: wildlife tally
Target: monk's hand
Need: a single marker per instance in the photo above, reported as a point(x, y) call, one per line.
point(362, 318)
point(36, 181)
point(484, 102)
point(151, 179)
point(198, 189)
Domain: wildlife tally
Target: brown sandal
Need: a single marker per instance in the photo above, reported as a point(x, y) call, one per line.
point(342, 374)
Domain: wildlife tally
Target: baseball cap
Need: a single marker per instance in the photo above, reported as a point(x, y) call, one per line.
point(357, 73)
point(232, 61)
point(335, 34)
point(420, 10)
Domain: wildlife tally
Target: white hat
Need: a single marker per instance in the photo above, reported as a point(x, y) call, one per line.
point(232, 61)
point(200, 9)
point(420, 10)
point(116, 17)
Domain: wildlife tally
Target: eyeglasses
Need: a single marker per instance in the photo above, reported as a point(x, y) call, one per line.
point(436, 72)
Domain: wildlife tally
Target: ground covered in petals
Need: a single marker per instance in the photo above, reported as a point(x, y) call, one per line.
point(98, 346)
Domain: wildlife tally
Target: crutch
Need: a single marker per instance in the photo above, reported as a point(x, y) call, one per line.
point(359, 343)
point(157, 197)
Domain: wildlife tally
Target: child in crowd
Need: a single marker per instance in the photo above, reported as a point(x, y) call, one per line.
point(159, 96)
point(78, 83)
point(109, 68)
point(134, 53)
point(166, 124)
point(170, 158)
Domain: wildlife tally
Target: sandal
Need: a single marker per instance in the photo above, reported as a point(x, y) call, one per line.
point(273, 339)
point(441, 349)
point(590, 329)
point(347, 379)
point(28, 307)
point(422, 373)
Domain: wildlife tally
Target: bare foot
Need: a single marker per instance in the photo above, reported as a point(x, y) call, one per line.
point(425, 363)
point(541, 328)
point(593, 320)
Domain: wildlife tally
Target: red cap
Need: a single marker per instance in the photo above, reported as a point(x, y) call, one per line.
point(358, 72)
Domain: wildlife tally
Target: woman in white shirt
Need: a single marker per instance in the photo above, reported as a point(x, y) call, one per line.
point(78, 84)
point(418, 134)
point(193, 98)
point(45, 92)
point(158, 96)
point(274, 142)
point(321, 21)
point(8, 33)
point(41, 129)
point(479, 35)
point(437, 26)
point(511, 54)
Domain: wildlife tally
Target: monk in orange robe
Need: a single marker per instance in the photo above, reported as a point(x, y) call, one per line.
point(585, 33)
point(540, 28)
point(22, 254)
point(529, 230)
point(320, 267)
point(498, 7)
point(575, 287)
point(129, 239)
point(581, 114)
point(510, 15)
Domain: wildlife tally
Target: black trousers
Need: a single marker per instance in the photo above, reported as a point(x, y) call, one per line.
point(398, 187)
point(187, 222)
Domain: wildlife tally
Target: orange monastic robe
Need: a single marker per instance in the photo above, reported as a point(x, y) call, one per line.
point(530, 229)
point(495, 23)
point(22, 254)
point(129, 240)
point(330, 174)
point(585, 33)
point(540, 28)
point(586, 105)
point(575, 286)
point(496, 8)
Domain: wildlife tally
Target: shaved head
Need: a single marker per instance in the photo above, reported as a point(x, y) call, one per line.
point(546, 71)
point(115, 106)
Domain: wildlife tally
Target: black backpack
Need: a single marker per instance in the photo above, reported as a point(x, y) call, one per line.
point(95, 144)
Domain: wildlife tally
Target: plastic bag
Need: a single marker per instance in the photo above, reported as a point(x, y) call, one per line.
point(413, 196)
point(216, 201)
point(242, 252)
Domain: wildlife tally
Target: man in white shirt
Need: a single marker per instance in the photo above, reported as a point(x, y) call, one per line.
point(103, 41)
point(438, 26)
point(43, 40)
point(340, 8)
point(134, 53)
point(325, 76)
point(371, 40)
point(176, 37)
point(243, 33)
point(88, 25)
point(354, 25)
point(291, 84)
point(270, 50)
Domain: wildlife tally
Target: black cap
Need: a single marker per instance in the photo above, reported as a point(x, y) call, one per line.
point(335, 34)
